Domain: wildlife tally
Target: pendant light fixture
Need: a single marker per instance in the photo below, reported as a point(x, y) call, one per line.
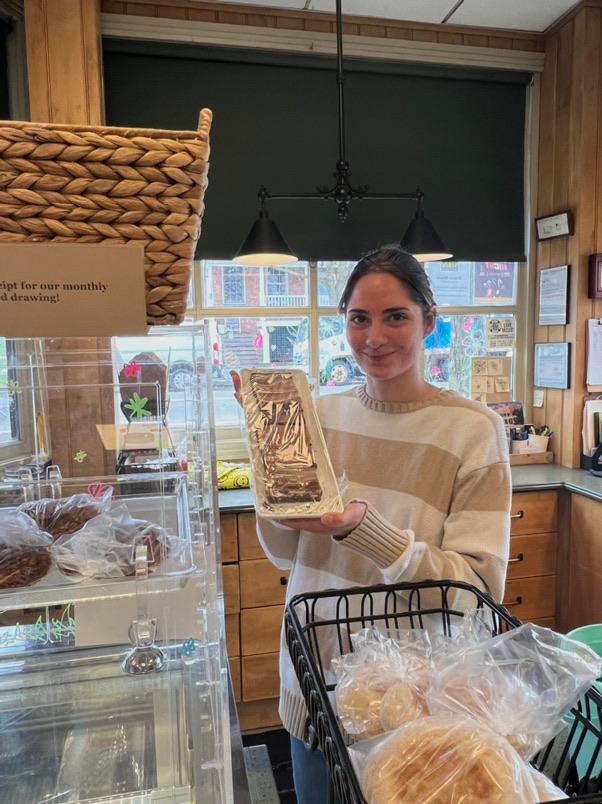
point(264, 245)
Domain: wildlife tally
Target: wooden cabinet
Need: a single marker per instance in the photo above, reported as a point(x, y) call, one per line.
point(585, 562)
point(531, 583)
point(254, 592)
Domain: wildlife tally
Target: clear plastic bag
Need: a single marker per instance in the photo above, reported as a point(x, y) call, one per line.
point(292, 473)
point(383, 683)
point(105, 546)
point(25, 556)
point(68, 515)
point(520, 683)
point(443, 760)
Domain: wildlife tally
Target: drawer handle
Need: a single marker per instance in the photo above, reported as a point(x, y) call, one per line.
point(283, 580)
point(517, 602)
point(517, 515)
point(520, 557)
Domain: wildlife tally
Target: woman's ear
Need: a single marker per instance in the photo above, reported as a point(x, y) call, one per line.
point(429, 321)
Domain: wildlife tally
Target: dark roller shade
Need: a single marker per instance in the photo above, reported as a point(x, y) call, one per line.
point(457, 133)
point(5, 29)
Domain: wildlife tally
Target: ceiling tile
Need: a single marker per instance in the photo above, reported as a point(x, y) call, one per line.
point(521, 15)
point(410, 10)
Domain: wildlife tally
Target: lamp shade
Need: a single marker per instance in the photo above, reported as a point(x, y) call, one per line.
point(264, 245)
point(422, 241)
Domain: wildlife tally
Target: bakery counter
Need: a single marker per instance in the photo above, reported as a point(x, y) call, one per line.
point(524, 478)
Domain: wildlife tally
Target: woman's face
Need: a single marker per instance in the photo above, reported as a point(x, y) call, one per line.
point(386, 328)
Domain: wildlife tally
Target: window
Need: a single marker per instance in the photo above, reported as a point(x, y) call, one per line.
point(276, 283)
point(16, 418)
point(291, 320)
point(9, 397)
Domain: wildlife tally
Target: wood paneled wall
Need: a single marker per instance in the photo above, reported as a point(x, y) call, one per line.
point(570, 177)
point(257, 16)
point(64, 61)
point(64, 66)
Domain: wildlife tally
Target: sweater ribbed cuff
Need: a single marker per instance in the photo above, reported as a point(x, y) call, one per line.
point(379, 541)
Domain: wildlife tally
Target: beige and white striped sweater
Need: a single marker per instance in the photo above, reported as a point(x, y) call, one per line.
point(436, 477)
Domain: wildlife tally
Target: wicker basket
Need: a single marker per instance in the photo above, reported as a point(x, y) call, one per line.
point(92, 184)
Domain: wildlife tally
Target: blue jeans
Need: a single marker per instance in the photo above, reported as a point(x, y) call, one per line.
point(309, 773)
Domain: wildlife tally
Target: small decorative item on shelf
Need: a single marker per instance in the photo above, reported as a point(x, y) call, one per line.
point(100, 184)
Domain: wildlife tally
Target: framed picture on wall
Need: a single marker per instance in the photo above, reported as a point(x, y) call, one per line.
point(553, 296)
point(560, 224)
point(595, 276)
point(552, 365)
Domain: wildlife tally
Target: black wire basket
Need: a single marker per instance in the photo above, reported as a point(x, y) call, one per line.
point(572, 760)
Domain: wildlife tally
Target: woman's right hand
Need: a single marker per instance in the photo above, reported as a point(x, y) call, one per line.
point(236, 383)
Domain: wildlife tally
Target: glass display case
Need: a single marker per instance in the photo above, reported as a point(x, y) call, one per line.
point(113, 675)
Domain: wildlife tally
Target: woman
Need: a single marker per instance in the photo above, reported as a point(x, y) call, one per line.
point(428, 481)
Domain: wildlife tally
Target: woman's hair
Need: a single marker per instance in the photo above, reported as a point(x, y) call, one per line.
point(392, 260)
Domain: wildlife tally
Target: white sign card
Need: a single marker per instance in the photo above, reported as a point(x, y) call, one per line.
point(61, 290)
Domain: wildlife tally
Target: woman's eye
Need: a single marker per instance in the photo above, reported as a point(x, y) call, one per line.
point(358, 319)
point(397, 316)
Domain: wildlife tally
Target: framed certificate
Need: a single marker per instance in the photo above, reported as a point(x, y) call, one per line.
point(552, 365)
point(553, 296)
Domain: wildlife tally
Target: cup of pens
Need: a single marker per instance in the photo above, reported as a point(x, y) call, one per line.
point(538, 443)
point(538, 438)
point(528, 438)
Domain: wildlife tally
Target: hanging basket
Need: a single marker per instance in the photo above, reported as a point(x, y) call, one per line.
point(95, 184)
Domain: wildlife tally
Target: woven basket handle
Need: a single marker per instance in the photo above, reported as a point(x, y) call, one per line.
point(204, 127)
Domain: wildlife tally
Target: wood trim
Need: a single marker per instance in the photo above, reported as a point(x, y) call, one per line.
point(126, 26)
point(320, 21)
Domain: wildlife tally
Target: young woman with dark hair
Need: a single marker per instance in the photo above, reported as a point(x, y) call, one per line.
point(427, 492)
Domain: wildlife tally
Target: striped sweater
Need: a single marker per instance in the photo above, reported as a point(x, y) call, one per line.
point(436, 478)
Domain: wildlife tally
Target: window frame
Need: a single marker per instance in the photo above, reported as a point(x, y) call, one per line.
point(23, 447)
point(230, 442)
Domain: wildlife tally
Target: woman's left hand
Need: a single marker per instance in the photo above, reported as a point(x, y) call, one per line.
point(331, 524)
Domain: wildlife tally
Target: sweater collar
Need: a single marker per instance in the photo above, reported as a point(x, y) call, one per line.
point(397, 407)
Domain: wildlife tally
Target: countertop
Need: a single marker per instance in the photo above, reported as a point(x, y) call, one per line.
point(524, 478)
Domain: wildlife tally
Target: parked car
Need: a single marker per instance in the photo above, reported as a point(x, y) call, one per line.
point(336, 362)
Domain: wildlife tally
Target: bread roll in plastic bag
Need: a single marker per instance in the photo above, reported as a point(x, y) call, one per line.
point(105, 546)
point(383, 682)
point(520, 683)
point(443, 760)
point(67, 515)
point(25, 555)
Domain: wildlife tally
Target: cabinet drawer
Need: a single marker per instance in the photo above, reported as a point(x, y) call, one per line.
point(260, 630)
point(261, 584)
point(229, 537)
point(534, 512)
point(260, 678)
point(231, 588)
point(529, 598)
point(235, 676)
point(233, 634)
point(248, 543)
point(533, 554)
